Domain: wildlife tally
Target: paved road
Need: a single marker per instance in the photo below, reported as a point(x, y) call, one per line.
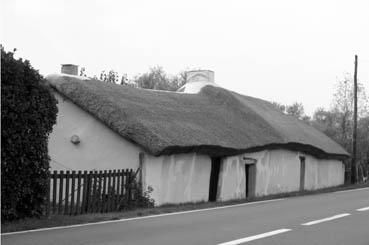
point(332, 218)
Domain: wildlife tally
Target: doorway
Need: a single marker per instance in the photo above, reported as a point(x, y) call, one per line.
point(214, 177)
point(302, 173)
point(250, 174)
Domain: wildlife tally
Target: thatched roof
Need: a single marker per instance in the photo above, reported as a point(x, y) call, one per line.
point(215, 121)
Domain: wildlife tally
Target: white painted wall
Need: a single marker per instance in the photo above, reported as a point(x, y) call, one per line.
point(232, 180)
point(277, 171)
point(323, 173)
point(177, 178)
point(100, 147)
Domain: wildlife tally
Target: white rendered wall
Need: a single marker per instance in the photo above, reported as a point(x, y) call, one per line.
point(232, 181)
point(277, 171)
point(177, 178)
point(323, 173)
point(100, 147)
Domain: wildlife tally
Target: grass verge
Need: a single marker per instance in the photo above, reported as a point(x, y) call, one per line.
point(62, 220)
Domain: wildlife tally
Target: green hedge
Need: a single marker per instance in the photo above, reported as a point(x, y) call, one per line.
point(28, 112)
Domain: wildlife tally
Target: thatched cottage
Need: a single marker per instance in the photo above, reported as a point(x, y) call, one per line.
point(198, 144)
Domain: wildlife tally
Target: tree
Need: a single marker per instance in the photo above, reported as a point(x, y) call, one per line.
point(337, 122)
point(295, 110)
point(110, 77)
point(279, 106)
point(82, 72)
point(344, 97)
point(157, 79)
point(124, 80)
point(28, 113)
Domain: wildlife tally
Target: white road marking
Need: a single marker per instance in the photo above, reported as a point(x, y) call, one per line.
point(252, 238)
point(362, 209)
point(326, 219)
point(139, 218)
point(358, 189)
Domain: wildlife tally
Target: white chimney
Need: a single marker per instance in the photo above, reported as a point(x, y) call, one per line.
point(196, 80)
point(69, 69)
point(206, 76)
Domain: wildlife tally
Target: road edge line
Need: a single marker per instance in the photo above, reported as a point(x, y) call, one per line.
point(356, 189)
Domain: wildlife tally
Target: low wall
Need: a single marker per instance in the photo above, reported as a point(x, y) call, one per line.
point(177, 178)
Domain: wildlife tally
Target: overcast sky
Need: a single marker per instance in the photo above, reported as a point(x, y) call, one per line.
point(283, 51)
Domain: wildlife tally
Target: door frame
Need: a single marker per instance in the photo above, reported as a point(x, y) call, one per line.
point(250, 177)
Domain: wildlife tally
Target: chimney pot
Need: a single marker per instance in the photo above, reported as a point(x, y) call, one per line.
point(69, 69)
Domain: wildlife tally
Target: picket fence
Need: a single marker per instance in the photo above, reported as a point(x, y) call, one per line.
point(77, 192)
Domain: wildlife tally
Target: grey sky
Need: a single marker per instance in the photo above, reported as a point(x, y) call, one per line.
point(283, 51)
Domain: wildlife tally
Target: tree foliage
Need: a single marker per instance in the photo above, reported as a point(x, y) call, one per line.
point(28, 112)
point(296, 110)
point(337, 122)
point(157, 79)
point(110, 77)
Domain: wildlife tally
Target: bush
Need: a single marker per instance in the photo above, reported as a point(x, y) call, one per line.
point(28, 112)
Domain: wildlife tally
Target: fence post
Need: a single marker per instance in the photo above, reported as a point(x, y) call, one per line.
point(130, 173)
point(117, 201)
point(84, 192)
point(55, 185)
point(72, 193)
point(103, 199)
point(109, 191)
point(66, 199)
point(113, 192)
point(61, 177)
point(141, 157)
point(99, 192)
point(89, 197)
point(78, 206)
point(94, 194)
point(48, 196)
point(123, 190)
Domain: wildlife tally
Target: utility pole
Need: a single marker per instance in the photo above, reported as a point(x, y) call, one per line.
point(354, 172)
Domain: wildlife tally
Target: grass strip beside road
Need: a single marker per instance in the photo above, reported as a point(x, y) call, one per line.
point(64, 220)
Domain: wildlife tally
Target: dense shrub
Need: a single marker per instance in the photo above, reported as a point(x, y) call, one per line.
point(28, 112)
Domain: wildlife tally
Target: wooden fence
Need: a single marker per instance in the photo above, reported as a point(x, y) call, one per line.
point(72, 193)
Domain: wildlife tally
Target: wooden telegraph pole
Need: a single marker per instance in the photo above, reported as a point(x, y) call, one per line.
point(354, 172)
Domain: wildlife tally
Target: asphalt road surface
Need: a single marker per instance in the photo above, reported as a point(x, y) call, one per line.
point(333, 218)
